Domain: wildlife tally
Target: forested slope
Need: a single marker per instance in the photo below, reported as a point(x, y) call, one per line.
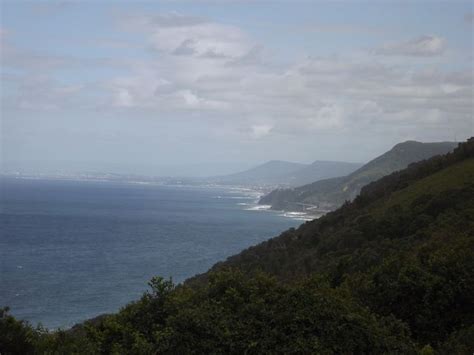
point(329, 194)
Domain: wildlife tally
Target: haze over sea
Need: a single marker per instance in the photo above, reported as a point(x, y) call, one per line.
point(71, 250)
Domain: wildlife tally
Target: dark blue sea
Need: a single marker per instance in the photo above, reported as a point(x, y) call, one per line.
point(71, 250)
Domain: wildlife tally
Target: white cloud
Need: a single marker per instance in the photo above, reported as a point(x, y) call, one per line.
point(328, 116)
point(219, 75)
point(123, 98)
point(191, 100)
point(259, 131)
point(190, 35)
point(317, 94)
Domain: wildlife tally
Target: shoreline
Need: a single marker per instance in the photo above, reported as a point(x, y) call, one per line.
point(257, 192)
point(256, 207)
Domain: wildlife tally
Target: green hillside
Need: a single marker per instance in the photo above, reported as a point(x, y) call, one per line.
point(329, 194)
point(390, 272)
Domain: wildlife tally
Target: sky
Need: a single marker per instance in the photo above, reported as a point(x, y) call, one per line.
point(211, 87)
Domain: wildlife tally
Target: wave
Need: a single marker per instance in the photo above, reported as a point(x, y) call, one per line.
point(299, 216)
point(259, 208)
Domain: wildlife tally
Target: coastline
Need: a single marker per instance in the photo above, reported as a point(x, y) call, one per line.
point(257, 193)
point(254, 192)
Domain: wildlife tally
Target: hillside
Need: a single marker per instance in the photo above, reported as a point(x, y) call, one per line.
point(267, 173)
point(404, 247)
point(283, 173)
point(329, 194)
point(390, 272)
point(318, 170)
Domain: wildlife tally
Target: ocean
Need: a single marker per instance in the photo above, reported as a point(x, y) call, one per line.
point(72, 250)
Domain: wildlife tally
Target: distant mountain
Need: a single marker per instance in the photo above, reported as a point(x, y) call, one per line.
point(267, 173)
point(319, 170)
point(284, 173)
point(329, 194)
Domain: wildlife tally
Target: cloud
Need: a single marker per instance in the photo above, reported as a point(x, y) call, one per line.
point(212, 54)
point(191, 100)
point(252, 57)
point(260, 131)
point(168, 33)
point(312, 95)
point(424, 46)
point(123, 98)
point(211, 74)
point(330, 115)
point(185, 48)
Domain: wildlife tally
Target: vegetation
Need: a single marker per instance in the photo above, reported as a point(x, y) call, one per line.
point(390, 272)
point(329, 194)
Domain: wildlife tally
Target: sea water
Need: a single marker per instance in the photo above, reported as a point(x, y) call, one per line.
point(72, 250)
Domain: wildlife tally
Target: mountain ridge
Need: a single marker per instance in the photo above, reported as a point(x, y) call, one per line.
point(385, 187)
point(285, 173)
point(328, 194)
